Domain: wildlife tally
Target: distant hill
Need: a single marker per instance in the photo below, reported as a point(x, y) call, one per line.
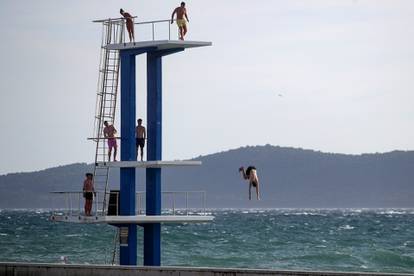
point(289, 178)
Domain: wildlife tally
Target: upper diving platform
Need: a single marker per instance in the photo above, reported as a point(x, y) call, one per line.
point(159, 45)
point(156, 34)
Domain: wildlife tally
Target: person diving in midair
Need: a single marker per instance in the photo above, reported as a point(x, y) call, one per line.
point(251, 175)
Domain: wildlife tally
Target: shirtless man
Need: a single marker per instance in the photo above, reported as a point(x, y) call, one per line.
point(129, 24)
point(88, 192)
point(140, 136)
point(181, 23)
point(251, 175)
point(109, 132)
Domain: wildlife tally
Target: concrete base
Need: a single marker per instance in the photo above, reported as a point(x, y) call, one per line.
point(33, 269)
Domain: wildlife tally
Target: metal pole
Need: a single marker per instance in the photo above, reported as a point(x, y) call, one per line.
point(79, 199)
point(169, 30)
point(117, 204)
point(96, 204)
point(70, 203)
point(186, 203)
point(204, 202)
point(173, 200)
point(153, 36)
point(139, 203)
point(66, 204)
point(141, 210)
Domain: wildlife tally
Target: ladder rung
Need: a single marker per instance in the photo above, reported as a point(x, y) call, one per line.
point(107, 93)
point(107, 70)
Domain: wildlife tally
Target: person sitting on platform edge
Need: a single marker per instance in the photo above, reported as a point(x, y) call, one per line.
point(251, 175)
point(181, 11)
point(109, 132)
point(88, 192)
point(140, 136)
point(129, 24)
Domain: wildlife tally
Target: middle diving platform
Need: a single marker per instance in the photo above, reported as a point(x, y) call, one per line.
point(148, 164)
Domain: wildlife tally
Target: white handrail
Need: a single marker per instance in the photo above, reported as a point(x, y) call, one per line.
point(153, 22)
point(73, 209)
point(121, 20)
point(111, 19)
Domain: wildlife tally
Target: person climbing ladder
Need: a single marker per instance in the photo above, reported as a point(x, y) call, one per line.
point(109, 132)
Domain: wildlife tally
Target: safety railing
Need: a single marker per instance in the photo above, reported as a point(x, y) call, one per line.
point(71, 203)
point(162, 25)
point(143, 31)
point(176, 203)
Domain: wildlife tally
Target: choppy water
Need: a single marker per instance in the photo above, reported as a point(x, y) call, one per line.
point(346, 240)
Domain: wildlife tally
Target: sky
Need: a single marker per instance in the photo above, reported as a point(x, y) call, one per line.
point(334, 76)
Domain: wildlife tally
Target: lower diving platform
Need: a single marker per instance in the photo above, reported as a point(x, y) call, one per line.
point(178, 207)
point(138, 219)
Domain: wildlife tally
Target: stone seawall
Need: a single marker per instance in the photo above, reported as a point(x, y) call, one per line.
point(34, 269)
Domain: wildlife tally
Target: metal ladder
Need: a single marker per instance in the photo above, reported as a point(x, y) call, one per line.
point(115, 251)
point(106, 99)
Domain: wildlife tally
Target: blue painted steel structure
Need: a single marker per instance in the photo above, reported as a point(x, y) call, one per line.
point(127, 175)
point(152, 232)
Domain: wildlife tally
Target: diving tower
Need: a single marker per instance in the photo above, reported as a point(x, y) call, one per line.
point(118, 67)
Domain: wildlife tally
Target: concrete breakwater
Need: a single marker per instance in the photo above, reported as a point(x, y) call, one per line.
point(35, 269)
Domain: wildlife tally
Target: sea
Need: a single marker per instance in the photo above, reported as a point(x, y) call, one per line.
point(380, 240)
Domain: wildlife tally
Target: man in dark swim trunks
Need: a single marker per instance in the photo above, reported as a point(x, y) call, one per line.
point(88, 191)
point(129, 24)
point(251, 175)
point(140, 136)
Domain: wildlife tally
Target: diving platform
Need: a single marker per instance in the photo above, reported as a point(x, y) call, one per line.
point(159, 45)
point(178, 207)
point(148, 164)
point(138, 219)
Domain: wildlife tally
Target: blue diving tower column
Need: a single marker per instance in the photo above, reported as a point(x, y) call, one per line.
point(155, 50)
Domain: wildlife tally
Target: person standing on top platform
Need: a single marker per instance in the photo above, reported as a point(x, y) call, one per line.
point(251, 175)
point(88, 192)
point(129, 24)
point(109, 132)
point(140, 136)
point(181, 23)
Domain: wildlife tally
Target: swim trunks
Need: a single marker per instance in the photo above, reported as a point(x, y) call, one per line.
point(112, 143)
point(88, 195)
point(181, 23)
point(140, 142)
point(254, 184)
point(249, 169)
